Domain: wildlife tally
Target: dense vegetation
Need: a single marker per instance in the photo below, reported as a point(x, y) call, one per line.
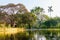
point(34, 19)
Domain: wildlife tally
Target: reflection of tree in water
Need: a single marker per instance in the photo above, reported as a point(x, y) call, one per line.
point(11, 37)
point(49, 35)
point(18, 36)
point(39, 37)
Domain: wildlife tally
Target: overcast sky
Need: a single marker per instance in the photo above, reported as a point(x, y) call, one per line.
point(30, 4)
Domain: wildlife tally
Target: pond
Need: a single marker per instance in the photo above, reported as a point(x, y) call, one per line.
point(33, 35)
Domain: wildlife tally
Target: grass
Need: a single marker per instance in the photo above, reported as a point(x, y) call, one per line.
point(10, 30)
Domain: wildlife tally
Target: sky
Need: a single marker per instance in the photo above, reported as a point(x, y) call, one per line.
point(30, 4)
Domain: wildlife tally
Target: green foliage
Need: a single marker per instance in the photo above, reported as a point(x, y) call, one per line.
point(37, 10)
point(24, 19)
point(50, 23)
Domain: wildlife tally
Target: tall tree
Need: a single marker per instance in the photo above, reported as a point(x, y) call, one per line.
point(24, 19)
point(50, 10)
point(38, 12)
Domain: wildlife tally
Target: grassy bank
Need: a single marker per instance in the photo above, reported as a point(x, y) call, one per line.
point(11, 30)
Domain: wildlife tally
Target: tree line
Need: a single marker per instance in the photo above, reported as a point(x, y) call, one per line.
point(33, 19)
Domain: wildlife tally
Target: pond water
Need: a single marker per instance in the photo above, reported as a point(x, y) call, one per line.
point(33, 35)
point(46, 35)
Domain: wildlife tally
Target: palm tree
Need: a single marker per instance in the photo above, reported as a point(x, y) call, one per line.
point(50, 10)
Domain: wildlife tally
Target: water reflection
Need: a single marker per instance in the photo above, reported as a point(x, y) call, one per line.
point(33, 35)
point(39, 37)
point(46, 35)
